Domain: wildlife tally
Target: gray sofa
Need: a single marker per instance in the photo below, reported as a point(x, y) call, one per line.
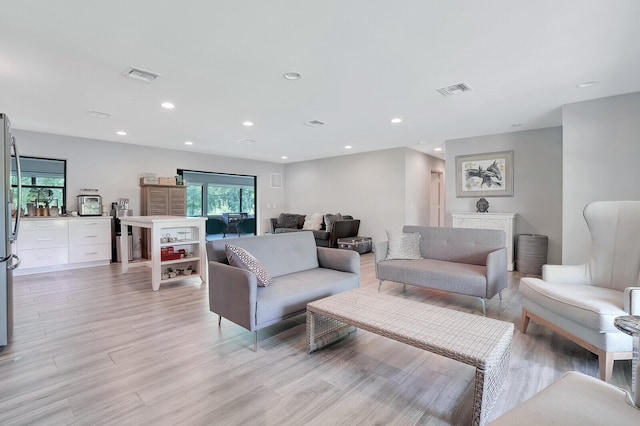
point(458, 260)
point(300, 271)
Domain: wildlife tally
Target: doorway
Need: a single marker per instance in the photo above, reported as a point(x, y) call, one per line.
point(436, 199)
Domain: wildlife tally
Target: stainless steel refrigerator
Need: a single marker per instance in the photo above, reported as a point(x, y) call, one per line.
point(8, 229)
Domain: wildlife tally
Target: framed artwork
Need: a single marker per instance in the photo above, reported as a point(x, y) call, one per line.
point(485, 175)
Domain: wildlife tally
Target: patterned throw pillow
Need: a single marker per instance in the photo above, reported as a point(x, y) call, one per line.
point(403, 245)
point(313, 222)
point(241, 258)
point(329, 219)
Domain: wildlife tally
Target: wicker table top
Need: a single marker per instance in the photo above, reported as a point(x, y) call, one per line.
point(468, 338)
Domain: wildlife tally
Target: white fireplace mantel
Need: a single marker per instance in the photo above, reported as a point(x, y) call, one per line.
point(502, 221)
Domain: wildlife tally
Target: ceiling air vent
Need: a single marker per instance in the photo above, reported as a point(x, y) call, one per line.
point(454, 89)
point(314, 123)
point(141, 75)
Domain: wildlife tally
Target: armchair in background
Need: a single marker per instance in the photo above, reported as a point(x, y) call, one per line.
point(345, 227)
point(214, 225)
point(246, 226)
point(580, 302)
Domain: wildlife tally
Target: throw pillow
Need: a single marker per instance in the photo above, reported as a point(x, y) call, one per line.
point(403, 245)
point(241, 258)
point(288, 220)
point(329, 219)
point(313, 222)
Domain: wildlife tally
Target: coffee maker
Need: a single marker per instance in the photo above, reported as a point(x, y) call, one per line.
point(120, 209)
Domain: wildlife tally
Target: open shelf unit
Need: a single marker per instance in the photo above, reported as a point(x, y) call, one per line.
point(186, 233)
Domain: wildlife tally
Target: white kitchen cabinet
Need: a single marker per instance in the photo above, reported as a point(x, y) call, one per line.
point(89, 239)
point(48, 244)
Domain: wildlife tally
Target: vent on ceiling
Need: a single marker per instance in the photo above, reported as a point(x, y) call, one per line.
point(141, 75)
point(98, 114)
point(314, 123)
point(454, 89)
point(246, 141)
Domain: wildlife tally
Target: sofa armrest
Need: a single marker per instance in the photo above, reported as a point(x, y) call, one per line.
point(380, 253)
point(632, 301)
point(496, 272)
point(343, 229)
point(340, 260)
point(233, 293)
point(565, 274)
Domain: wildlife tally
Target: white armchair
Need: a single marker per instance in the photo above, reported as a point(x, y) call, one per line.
point(580, 302)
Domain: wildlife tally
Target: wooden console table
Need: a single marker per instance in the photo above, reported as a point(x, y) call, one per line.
point(189, 233)
point(503, 221)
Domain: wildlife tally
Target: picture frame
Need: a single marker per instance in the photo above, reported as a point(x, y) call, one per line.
point(484, 175)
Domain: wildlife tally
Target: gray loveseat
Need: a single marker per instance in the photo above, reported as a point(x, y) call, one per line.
point(458, 260)
point(300, 271)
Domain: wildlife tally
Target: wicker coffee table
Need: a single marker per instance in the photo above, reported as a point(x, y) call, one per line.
point(481, 342)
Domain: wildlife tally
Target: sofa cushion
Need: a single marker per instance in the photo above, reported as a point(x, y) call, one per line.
point(241, 258)
point(437, 274)
point(289, 294)
point(290, 220)
point(590, 306)
point(403, 245)
point(313, 222)
point(329, 219)
point(281, 254)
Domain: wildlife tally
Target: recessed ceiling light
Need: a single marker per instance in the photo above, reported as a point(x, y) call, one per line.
point(247, 123)
point(167, 105)
point(292, 76)
point(348, 147)
point(586, 84)
point(396, 120)
point(284, 157)
point(188, 143)
point(121, 133)
point(437, 149)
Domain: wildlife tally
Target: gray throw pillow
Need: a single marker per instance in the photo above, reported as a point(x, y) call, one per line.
point(289, 220)
point(241, 258)
point(403, 245)
point(329, 219)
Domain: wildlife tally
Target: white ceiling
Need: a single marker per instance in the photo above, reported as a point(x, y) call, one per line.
point(362, 63)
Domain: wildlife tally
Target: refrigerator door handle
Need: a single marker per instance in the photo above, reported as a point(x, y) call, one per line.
point(11, 266)
point(14, 235)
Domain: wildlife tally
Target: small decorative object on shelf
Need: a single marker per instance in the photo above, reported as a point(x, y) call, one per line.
point(189, 270)
point(482, 205)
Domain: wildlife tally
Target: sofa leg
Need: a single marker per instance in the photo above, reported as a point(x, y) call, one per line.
point(524, 322)
point(379, 285)
point(404, 288)
point(605, 362)
point(500, 294)
point(255, 341)
point(484, 306)
point(219, 320)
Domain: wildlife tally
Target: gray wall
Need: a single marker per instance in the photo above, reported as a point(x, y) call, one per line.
point(601, 150)
point(114, 168)
point(537, 156)
point(385, 189)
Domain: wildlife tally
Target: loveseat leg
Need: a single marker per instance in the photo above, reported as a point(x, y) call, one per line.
point(379, 285)
point(255, 341)
point(219, 320)
point(500, 294)
point(484, 306)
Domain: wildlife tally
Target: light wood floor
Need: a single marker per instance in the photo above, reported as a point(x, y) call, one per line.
point(95, 347)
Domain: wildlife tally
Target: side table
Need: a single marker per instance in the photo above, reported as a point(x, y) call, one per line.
point(630, 324)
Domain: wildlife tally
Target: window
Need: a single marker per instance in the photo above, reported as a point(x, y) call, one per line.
point(43, 183)
point(217, 193)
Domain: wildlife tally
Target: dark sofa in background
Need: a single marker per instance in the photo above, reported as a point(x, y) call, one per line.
point(289, 222)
